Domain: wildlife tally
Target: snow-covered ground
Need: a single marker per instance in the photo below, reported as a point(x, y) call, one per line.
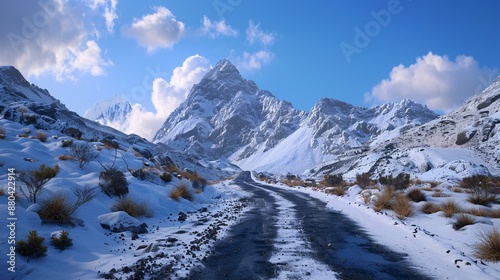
point(183, 244)
point(429, 240)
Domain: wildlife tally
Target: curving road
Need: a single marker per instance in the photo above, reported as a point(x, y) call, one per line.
point(289, 235)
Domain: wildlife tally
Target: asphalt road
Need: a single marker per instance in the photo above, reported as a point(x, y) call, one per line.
point(330, 239)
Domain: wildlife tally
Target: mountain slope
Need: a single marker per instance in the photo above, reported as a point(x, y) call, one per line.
point(462, 143)
point(228, 116)
point(27, 104)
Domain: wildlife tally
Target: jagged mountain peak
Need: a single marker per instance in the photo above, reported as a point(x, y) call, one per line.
point(112, 111)
point(224, 70)
point(15, 88)
point(10, 75)
point(226, 116)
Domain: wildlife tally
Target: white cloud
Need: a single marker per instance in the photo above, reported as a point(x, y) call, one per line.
point(440, 83)
point(167, 96)
point(256, 35)
point(109, 12)
point(157, 30)
point(253, 61)
point(48, 36)
point(90, 60)
point(214, 29)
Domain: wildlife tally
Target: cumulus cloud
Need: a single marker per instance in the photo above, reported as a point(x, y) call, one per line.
point(440, 83)
point(214, 29)
point(109, 12)
point(253, 61)
point(256, 35)
point(48, 37)
point(166, 96)
point(90, 60)
point(157, 30)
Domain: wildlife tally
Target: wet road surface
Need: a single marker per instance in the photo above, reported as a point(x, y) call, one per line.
point(329, 238)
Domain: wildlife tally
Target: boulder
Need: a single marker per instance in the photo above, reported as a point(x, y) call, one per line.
point(121, 221)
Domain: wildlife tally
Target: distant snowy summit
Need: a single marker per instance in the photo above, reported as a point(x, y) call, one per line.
point(110, 112)
point(226, 116)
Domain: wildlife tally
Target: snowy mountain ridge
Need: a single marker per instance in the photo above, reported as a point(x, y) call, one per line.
point(226, 116)
point(109, 112)
point(460, 144)
point(28, 105)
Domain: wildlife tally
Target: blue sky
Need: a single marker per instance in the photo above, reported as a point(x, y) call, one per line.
point(362, 52)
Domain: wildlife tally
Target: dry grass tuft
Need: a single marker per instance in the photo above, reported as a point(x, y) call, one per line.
point(383, 199)
point(440, 194)
point(56, 209)
point(482, 197)
point(41, 136)
point(488, 247)
point(450, 208)
point(416, 195)
point(402, 206)
point(430, 208)
point(338, 190)
point(494, 213)
point(478, 212)
point(293, 183)
point(65, 157)
point(181, 191)
point(458, 190)
point(132, 207)
point(463, 220)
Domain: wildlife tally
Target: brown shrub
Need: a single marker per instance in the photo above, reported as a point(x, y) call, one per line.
point(430, 208)
point(463, 220)
point(450, 208)
point(65, 157)
point(494, 213)
point(181, 191)
point(132, 207)
point(479, 212)
point(488, 247)
point(338, 190)
point(363, 180)
point(41, 136)
point(439, 194)
point(56, 209)
point(416, 195)
point(383, 199)
point(402, 206)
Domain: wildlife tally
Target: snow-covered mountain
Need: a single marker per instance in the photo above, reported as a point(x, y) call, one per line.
point(228, 116)
point(113, 112)
point(27, 104)
point(462, 143)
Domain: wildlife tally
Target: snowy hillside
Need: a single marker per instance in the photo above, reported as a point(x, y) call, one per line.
point(164, 229)
point(462, 143)
point(25, 103)
point(226, 116)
